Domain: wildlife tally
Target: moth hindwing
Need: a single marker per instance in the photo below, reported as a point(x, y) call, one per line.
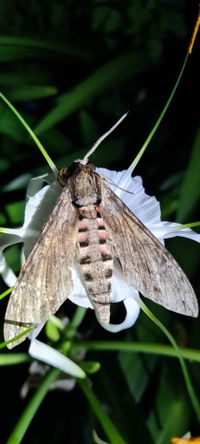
point(91, 225)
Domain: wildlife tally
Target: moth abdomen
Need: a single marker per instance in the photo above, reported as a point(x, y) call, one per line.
point(84, 243)
point(109, 272)
point(106, 256)
point(87, 277)
point(85, 260)
point(99, 289)
point(95, 260)
point(83, 229)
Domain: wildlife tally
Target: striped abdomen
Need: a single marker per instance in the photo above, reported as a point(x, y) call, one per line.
point(95, 260)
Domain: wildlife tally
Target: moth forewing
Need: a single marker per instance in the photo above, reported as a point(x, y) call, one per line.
point(45, 280)
point(147, 265)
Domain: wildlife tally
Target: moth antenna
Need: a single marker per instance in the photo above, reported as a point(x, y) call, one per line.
point(107, 179)
point(97, 143)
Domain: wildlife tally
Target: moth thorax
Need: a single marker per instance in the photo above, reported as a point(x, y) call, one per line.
point(85, 188)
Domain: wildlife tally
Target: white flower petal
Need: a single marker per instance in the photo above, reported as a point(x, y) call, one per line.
point(131, 191)
point(63, 384)
point(33, 203)
point(5, 241)
point(167, 230)
point(120, 289)
point(13, 232)
point(39, 206)
point(118, 180)
point(6, 272)
point(43, 352)
point(37, 191)
point(132, 313)
point(35, 331)
point(78, 296)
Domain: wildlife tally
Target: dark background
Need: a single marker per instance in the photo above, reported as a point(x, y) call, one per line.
point(72, 69)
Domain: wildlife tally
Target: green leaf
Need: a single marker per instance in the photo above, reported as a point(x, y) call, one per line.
point(30, 76)
point(190, 189)
point(13, 358)
point(26, 93)
point(173, 411)
point(52, 331)
point(12, 48)
point(90, 367)
point(15, 212)
point(10, 126)
point(106, 423)
point(31, 408)
point(110, 74)
point(88, 129)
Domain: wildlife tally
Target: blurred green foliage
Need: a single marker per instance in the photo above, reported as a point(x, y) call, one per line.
point(72, 69)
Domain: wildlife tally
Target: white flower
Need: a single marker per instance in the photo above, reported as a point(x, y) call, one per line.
point(42, 194)
point(36, 371)
point(41, 197)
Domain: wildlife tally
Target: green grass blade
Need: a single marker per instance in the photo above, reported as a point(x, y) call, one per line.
point(191, 392)
point(31, 133)
point(106, 423)
point(15, 338)
point(5, 293)
point(31, 408)
point(138, 347)
point(160, 118)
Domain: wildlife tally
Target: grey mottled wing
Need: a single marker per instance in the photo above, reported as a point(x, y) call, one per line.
point(45, 280)
point(146, 264)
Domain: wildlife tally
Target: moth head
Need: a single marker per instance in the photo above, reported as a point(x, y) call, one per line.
point(74, 169)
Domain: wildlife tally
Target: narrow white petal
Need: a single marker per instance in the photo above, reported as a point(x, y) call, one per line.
point(5, 241)
point(37, 183)
point(35, 331)
point(45, 353)
point(38, 207)
point(38, 193)
point(33, 203)
point(7, 274)
point(13, 231)
point(166, 230)
point(63, 384)
point(132, 313)
point(18, 183)
point(118, 181)
point(120, 289)
point(78, 296)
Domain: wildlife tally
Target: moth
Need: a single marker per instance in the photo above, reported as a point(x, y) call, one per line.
point(91, 225)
